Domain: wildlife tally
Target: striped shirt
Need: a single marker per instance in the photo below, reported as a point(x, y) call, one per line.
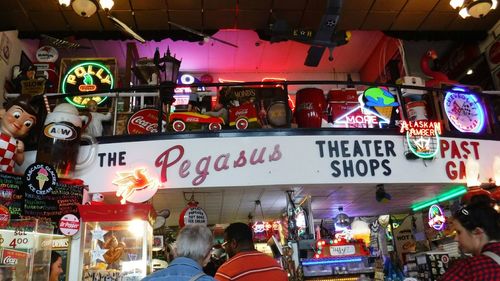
point(8, 147)
point(251, 266)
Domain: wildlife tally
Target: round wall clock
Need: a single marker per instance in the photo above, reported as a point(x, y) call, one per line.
point(464, 110)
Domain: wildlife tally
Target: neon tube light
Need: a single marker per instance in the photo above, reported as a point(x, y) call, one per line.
point(317, 262)
point(445, 196)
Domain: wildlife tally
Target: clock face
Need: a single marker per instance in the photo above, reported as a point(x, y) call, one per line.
point(464, 111)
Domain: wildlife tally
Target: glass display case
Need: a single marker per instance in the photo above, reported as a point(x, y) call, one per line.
point(25, 248)
point(118, 241)
point(338, 259)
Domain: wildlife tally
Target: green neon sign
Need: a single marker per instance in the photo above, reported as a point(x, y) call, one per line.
point(87, 77)
point(445, 196)
point(426, 155)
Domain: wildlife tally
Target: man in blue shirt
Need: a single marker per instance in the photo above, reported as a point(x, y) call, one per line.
point(193, 249)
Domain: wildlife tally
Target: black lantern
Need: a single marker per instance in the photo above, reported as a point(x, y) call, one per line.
point(168, 67)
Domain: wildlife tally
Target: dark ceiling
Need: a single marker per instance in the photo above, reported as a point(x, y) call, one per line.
point(150, 18)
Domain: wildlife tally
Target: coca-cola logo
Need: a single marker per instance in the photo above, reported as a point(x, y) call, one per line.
point(305, 106)
point(144, 121)
point(9, 260)
point(240, 112)
point(4, 216)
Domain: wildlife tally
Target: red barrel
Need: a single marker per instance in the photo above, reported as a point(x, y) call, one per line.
point(310, 104)
point(416, 110)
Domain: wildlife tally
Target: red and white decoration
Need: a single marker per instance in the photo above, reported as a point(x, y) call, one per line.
point(4, 216)
point(192, 214)
point(69, 224)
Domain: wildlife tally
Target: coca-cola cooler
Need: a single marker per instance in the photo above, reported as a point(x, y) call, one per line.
point(25, 249)
point(341, 102)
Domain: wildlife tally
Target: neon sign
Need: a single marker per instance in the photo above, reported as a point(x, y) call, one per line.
point(436, 218)
point(136, 181)
point(374, 109)
point(186, 80)
point(422, 137)
point(464, 110)
point(87, 77)
point(261, 227)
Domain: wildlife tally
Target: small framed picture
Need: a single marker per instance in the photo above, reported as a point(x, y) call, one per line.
point(158, 242)
point(5, 48)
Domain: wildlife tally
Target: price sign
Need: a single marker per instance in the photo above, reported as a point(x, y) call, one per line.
point(193, 214)
point(344, 250)
point(16, 239)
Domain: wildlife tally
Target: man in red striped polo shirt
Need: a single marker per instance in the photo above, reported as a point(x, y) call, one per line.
point(245, 263)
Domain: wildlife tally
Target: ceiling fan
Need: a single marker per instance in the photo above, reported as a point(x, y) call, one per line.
point(61, 43)
point(203, 35)
point(123, 27)
point(87, 8)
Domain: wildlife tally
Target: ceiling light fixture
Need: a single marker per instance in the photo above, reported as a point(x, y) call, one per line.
point(86, 8)
point(473, 8)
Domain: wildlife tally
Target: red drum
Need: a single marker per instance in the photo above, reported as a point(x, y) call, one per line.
point(416, 110)
point(310, 104)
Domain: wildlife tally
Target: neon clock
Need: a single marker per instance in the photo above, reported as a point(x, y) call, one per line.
point(87, 77)
point(436, 218)
point(464, 110)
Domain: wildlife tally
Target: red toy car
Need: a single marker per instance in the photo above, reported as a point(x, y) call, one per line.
point(242, 115)
point(179, 120)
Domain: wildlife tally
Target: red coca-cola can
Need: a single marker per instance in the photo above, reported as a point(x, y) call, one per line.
point(310, 104)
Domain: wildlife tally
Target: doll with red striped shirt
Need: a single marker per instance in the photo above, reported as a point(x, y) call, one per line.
point(17, 120)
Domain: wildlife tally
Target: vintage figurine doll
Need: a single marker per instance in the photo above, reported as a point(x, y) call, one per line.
point(16, 122)
point(94, 127)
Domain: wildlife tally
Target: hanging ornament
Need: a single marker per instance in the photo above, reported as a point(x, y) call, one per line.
point(192, 214)
point(98, 233)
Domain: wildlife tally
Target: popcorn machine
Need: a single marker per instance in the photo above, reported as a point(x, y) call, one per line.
point(118, 241)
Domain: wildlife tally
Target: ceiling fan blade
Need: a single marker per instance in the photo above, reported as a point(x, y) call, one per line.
point(62, 44)
point(196, 32)
point(185, 28)
point(126, 29)
point(222, 41)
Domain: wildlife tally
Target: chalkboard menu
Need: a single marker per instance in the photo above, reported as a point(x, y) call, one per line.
point(11, 194)
point(62, 198)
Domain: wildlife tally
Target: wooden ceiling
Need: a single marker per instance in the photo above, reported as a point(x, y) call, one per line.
point(150, 18)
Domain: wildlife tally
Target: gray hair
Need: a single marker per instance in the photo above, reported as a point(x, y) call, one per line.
point(194, 242)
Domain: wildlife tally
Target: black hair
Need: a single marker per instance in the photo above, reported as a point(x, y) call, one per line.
point(53, 257)
point(25, 102)
point(239, 232)
point(480, 214)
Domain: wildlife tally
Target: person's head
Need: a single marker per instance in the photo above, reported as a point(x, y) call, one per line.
point(92, 105)
point(55, 266)
point(237, 238)
point(475, 226)
point(19, 118)
point(194, 242)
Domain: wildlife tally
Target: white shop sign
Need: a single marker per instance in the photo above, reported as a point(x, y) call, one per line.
point(277, 160)
point(344, 250)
